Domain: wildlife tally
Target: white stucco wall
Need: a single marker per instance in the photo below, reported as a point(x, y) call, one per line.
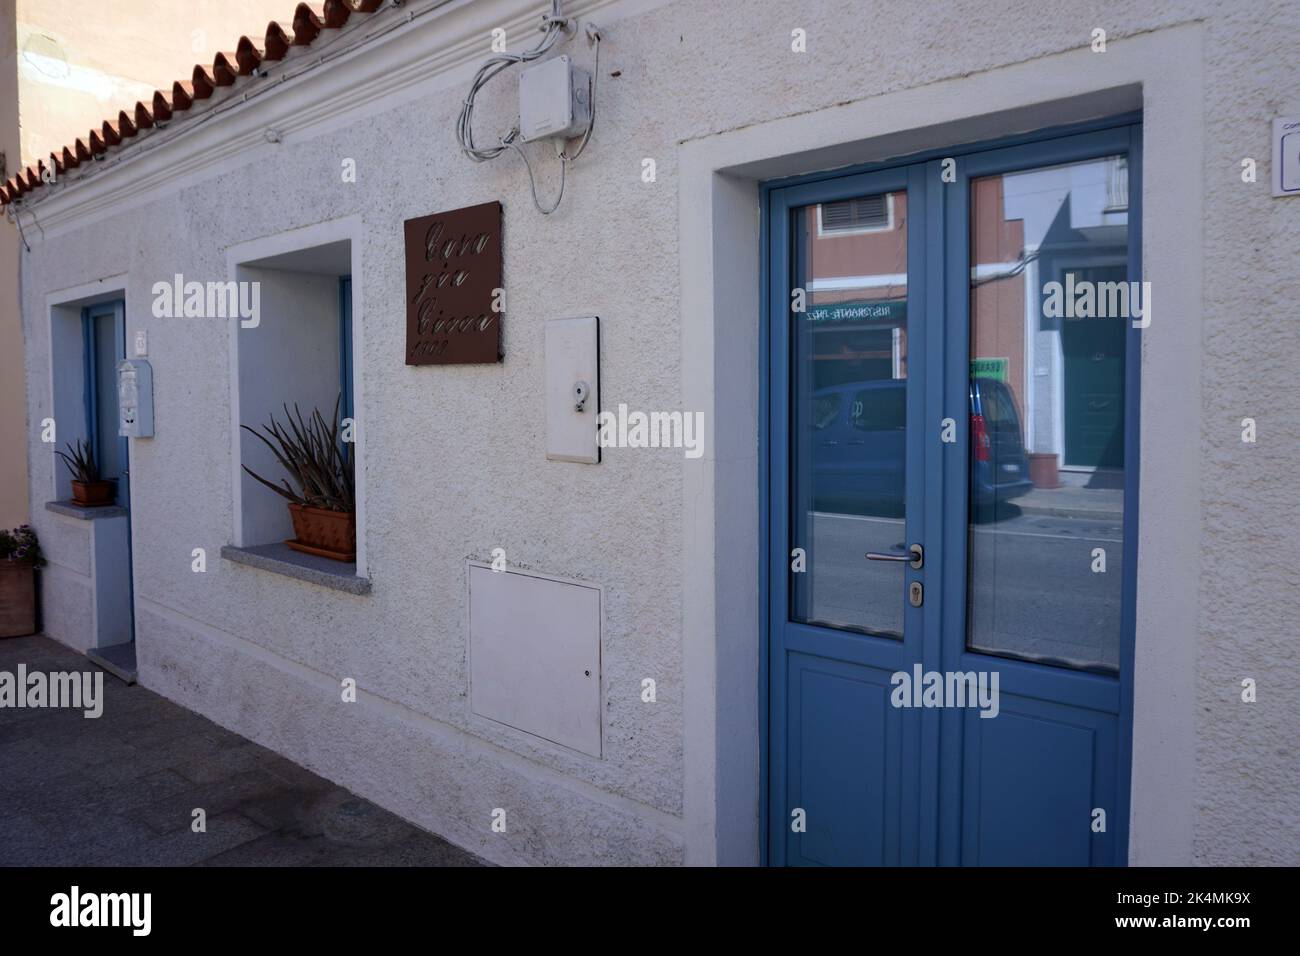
point(455, 460)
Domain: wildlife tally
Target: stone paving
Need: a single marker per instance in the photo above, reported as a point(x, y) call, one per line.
point(119, 790)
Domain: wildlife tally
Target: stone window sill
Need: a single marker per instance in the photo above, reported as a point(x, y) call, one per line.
point(281, 559)
point(73, 510)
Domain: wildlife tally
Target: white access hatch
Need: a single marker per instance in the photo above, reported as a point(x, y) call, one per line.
point(535, 655)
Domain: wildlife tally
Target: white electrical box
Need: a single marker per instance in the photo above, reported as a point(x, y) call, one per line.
point(572, 386)
point(534, 655)
point(554, 100)
point(1286, 156)
point(134, 399)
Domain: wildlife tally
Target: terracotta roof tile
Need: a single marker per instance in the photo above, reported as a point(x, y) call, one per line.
point(335, 13)
point(182, 95)
point(248, 56)
point(309, 21)
point(162, 110)
point(201, 84)
point(306, 25)
point(225, 69)
point(277, 42)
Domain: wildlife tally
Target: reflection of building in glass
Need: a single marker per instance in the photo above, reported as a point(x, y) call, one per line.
point(857, 289)
point(1029, 229)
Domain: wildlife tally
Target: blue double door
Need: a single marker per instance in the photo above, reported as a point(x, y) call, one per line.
point(949, 594)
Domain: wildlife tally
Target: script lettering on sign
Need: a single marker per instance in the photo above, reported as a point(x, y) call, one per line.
point(453, 271)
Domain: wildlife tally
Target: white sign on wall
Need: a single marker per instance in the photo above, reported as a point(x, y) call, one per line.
point(1286, 156)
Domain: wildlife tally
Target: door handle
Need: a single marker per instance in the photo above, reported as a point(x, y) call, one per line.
point(914, 556)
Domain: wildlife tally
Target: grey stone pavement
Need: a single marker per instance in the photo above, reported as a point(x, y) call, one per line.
point(119, 790)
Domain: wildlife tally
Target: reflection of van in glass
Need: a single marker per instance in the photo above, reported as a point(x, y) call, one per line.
point(859, 438)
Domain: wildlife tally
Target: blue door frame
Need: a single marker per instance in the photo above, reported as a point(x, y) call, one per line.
point(99, 322)
point(927, 807)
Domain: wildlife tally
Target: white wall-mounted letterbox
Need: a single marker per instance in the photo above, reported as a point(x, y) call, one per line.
point(573, 389)
point(134, 399)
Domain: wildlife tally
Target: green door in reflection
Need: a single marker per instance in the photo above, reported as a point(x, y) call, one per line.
point(1094, 383)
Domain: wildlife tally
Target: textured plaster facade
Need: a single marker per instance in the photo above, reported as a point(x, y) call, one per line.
point(455, 460)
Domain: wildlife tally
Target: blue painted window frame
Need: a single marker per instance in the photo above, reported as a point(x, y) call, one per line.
point(1120, 134)
point(345, 346)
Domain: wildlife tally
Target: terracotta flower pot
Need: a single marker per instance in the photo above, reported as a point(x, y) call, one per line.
point(17, 598)
point(1043, 470)
point(94, 494)
point(330, 534)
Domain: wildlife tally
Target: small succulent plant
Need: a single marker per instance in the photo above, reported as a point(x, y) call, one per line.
point(311, 451)
point(81, 462)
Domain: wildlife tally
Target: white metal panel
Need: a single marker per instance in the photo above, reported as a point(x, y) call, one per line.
point(572, 356)
point(535, 655)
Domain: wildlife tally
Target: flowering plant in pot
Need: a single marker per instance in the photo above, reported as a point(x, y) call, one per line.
point(20, 556)
point(89, 488)
point(322, 498)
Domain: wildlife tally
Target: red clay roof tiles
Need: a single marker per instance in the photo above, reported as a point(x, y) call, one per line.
point(309, 21)
point(225, 69)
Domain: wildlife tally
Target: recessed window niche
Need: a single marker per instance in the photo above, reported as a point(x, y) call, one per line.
point(297, 350)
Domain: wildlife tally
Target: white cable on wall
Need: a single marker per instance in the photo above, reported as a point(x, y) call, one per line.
point(554, 26)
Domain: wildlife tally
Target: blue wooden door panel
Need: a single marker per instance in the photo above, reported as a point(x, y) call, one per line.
point(1032, 778)
point(845, 755)
point(1048, 712)
point(840, 756)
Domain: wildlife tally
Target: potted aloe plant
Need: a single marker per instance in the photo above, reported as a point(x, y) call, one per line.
point(89, 489)
point(20, 556)
point(322, 498)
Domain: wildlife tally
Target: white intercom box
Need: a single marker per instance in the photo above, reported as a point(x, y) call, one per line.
point(1286, 156)
point(572, 386)
point(554, 100)
point(134, 399)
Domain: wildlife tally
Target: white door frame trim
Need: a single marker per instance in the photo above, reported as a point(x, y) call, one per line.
point(719, 262)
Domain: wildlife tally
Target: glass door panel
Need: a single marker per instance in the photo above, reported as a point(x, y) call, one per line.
point(848, 411)
point(1050, 305)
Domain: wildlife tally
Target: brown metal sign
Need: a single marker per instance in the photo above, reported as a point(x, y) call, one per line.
point(453, 278)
